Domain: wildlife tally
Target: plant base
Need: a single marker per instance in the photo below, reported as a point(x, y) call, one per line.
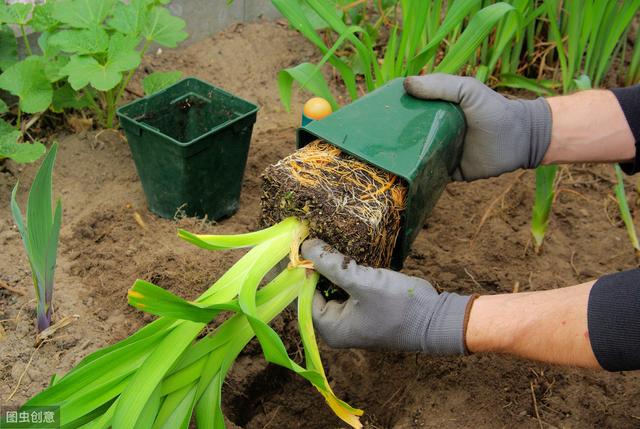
point(351, 205)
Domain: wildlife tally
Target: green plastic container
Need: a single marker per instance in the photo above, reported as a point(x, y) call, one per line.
point(190, 143)
point(417, 140)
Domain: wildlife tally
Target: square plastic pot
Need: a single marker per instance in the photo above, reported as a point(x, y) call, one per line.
point(419, 141)
point(190, 143)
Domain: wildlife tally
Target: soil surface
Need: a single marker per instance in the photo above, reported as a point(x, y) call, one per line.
point(476, 240)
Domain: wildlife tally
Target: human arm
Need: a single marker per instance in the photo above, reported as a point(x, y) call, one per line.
point(507, 134)
point(595, 324)
point(589, 126)
point(548, 326)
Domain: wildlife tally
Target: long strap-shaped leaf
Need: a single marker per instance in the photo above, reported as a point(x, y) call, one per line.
point(455, 15)
point(275, 351)
point(478, 29)
point(263, 257)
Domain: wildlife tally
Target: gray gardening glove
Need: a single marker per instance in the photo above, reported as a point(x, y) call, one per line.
point(502, 135)
point(385, 309)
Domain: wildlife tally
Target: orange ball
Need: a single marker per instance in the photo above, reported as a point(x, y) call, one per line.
point(317, 108)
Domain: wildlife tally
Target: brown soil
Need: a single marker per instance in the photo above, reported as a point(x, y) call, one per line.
point(475, 241)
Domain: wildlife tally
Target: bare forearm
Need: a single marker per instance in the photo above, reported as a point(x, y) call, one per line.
point(589, 126)
point(548, 326)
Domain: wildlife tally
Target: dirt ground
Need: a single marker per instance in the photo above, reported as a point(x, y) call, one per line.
point(476, 240)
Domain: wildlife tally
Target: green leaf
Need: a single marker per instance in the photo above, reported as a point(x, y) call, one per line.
point(21, 153)
point(159, 80)
point(8, 47)
point(17, 13)
point(82, 13)
point(623, 206)
point(53, 68)
point(66, 97)
point(3, 106)
point(28, 81)
point(582, 82)
point(308, 77)
point(93, 40)
point(237, 241)
point(84, 70)
point(478, 29)
point(545, 177)
point(129, 18)
point(516, 81)
point(152, 299)
point(43, 19)
point(163, 28)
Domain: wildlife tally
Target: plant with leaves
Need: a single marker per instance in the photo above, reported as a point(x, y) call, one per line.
point(416, 39)
point(40, 235)
point(90, 51)
point(161, 375)
point(11, 140)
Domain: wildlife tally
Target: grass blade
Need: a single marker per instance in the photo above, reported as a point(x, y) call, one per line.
point(625, 213)
point(545, 177)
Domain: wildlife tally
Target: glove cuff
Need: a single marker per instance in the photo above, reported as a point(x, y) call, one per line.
point(444, 334)
point(540, 122)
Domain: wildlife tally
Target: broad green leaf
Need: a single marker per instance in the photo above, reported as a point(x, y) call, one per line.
point(309, 78)
point(28, 81)
point(129, 18)
point(17, 13)
point(82, 13)
point(8, 47)
point(93, 40)
point(163, 28)
point(43, 19)
point(66, 97)
point(53, 69)
point(22, 153)
point(159, 80)
point(84, 70)
point(3, 106)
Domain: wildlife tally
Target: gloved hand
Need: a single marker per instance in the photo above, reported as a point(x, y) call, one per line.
point(385, 309)
point(502, 135)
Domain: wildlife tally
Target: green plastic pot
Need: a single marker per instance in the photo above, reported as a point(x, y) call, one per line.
point(417, 140)
point(190, 143)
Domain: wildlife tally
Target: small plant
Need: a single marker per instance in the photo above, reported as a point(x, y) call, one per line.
point(90, 51)
point(162, 374)
point(625, 213)
point(545, 193)
point(40, 236)
point(11, 145)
